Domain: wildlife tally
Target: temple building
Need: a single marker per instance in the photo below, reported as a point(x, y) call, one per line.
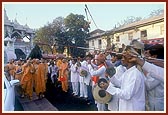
point(17, 38)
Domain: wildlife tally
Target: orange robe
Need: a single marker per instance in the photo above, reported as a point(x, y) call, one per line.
point(46, 72)
point(40, 76)
point(18, 72)
point(59, 62)
point(11, 70)
point(26, 80)
point(64, 73)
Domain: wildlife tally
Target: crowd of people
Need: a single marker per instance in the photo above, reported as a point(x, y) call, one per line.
point(134, 77)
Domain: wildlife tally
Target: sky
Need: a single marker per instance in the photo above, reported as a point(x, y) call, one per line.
point(105, 14)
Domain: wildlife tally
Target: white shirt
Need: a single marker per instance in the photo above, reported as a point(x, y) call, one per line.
point(155, 93)
point(99, 72)
point(74, 73)
point(116, 79)
point(53, 70)
point(132, 92)
point(155, 71)
point(86, 79)
point(113, 105)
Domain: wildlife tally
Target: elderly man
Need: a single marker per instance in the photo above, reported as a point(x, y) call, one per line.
point(132, 88)
point(117, 72)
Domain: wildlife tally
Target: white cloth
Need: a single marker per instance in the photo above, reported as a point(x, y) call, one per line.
point(90, 69)
point(155, 93)
point(74, 73)
point(155, 71)
point(132, 92)
point(74, 79)
point(84, 81)
point(116, 79)
point(83, 90)
point(53, 71)
point(101, 107)
point(83, 66)
point(75, 88)
point(113, 105)
point(101, 73)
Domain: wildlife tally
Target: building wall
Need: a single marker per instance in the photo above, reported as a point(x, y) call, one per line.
point(97, 45)
point(25, 47)
point(156, 30)
point(153, 31)
point(104, 42)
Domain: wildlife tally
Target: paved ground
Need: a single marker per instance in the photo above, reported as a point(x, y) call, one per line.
point(66, 102)
point(63, 101)
point(18, 106)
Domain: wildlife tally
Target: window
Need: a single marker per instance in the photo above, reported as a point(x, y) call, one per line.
point(161, 29)
point(117, 39)
point(130, 36)
point(92, 42)
point(108, 42)
point(144, 35)
point(99, 44)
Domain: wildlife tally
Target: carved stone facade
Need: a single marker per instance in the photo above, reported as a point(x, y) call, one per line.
point(17, 33)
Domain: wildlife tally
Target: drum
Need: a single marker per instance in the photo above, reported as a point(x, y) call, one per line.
point(100, 95)
point(83, 73)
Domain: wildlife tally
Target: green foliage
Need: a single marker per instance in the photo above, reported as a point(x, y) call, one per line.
point(47, 34)
point(156, 12)
point(35, 53)
point(128, 20)
point(77, 31)
point(131, 19)
point(70, 32)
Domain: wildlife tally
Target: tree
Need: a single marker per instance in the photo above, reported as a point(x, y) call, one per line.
point(128, 20)
point(76, 33)
point(47, 34)
point(69, 32)
point(156, 12)
point(131, 19)
point(35, 53)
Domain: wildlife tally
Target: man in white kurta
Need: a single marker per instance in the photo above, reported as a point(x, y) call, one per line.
point(132, 87)
point(53, 69)
point(74, 78)
point(155, 71)
point(82, 81)
point(154, 87)
point(132, 91)
point(113, 105)
point(155, 93)
point(99, 72)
